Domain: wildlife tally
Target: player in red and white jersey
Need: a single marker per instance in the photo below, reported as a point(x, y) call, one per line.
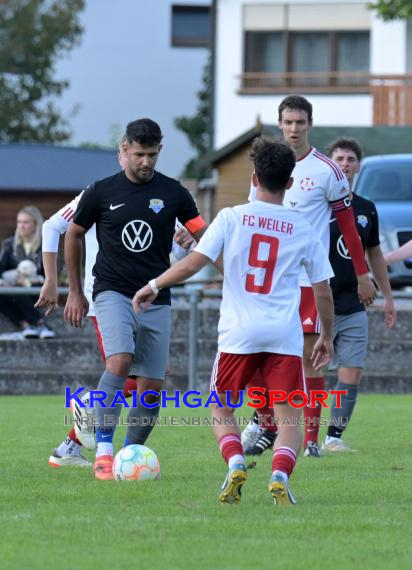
point(68, 454)
point(319, 187)
point(264, 247)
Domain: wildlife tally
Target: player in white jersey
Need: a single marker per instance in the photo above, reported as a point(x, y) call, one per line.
point(68, 454)
point(319, 187)
point(264, 248)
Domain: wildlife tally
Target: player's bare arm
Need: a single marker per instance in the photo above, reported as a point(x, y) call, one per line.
point(399, 254)
point(49, 292)
point(380, 273)
point(219, 261)
point(182, 270)
point(76, 306)
point(323, 349)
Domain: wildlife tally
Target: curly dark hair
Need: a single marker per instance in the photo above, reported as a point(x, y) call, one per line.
point(144, 131)
point(273, 162)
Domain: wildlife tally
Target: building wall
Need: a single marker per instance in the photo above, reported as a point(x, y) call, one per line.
point(388, 47)
point(235, 113)
point(126, 68)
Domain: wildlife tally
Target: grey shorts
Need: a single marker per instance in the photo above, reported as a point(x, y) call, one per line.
point(350, 340)
point(145, 335)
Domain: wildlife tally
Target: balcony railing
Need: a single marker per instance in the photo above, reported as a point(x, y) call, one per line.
point(392, 94)
point(311, 82)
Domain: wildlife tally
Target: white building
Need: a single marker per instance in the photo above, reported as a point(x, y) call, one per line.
point(353, 67)
point(137, 58)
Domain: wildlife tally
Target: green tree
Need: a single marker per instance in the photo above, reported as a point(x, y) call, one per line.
point(393, 9)
point(197, 127)
point(33, 34)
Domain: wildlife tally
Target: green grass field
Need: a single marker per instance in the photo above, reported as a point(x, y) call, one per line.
point(353, 510)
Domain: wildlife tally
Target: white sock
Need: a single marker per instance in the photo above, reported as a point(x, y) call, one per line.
point(330, 438)
point(68, 447)
point(280, 474)
point(104, 449)
point(235, 459)
point(252, 427)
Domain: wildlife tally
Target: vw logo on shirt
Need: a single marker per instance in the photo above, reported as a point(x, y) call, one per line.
point(342, 249)
point(137, 236)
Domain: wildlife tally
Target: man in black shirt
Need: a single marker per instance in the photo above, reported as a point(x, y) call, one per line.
point(351, 325)
point(134, 212)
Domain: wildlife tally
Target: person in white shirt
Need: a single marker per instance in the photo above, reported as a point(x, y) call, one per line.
point(264, 248)
point(319, 188)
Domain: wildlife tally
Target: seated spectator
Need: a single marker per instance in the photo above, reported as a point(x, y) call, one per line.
point(21, 265)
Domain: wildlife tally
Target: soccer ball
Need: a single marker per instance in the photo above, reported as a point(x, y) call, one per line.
point(136, 463)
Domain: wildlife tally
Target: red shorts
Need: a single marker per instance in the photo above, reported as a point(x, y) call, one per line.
point(264, 369)
point(99, 337)
point(308, 312)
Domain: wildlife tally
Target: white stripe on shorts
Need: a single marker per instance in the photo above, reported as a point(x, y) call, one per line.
point(213, 378)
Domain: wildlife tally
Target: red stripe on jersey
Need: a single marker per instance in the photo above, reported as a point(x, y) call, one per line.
point(342, 204)
point(338, 172)
point(195, 224)
point(305, 155)
point(67, 213)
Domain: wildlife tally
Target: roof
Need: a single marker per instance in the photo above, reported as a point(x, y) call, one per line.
point(374, 140)
point(47, 167)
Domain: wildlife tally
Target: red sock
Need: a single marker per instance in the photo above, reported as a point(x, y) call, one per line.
point(230, 445)
point(130, 386)
point(312, 415)
point(284, 459)
point(72, 436)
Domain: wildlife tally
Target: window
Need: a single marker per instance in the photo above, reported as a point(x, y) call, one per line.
point(309, 52)
point(191, 26)
point(352, 51)
point(264, 52)
point(305, 52)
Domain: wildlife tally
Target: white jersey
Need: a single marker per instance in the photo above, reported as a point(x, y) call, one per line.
point(264, 248)
point(57, 225)
point(317, 181)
